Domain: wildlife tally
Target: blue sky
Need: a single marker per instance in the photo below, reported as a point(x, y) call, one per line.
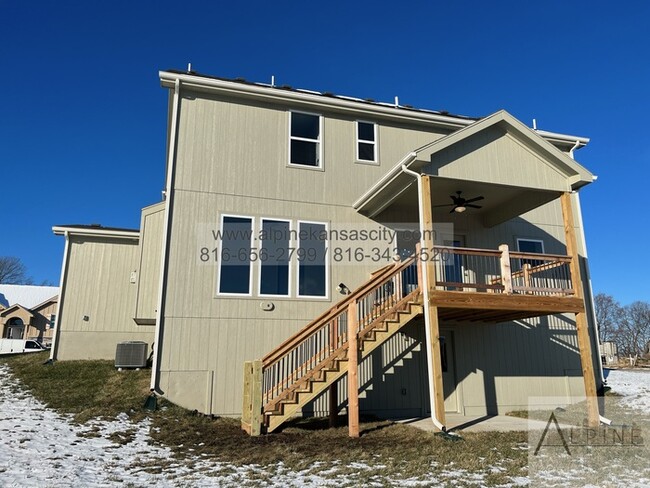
point(83, 117)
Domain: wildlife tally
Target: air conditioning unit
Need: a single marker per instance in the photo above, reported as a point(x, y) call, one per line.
point(131, 354)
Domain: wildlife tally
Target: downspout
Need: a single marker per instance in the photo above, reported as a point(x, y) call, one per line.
point(575, 146)
point(425, 296)
point(59, 305)
point(583, 238)
point(171, 160)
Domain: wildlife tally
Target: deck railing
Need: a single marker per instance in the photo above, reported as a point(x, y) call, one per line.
point(502, 271)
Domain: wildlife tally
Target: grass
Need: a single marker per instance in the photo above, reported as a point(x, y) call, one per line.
point(89, 389)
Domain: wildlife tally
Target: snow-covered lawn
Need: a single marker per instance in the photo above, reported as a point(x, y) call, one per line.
point(41, 448)
point(634, 385)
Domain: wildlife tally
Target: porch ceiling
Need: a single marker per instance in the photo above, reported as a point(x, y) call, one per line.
point(501, 202)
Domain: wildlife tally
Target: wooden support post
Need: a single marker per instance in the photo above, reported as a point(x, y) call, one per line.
point(527, 275)
point(582, 326)
point(333, 404)
point(431, 310)
point(353, 369)
point(506, 273)
point(252, 416)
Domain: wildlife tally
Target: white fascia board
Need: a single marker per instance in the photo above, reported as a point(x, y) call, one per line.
point(316, 101)
point(74, 231)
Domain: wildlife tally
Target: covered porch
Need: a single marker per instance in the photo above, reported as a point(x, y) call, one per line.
point(482, 183)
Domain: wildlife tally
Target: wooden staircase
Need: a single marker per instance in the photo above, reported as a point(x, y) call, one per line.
point(315, 358)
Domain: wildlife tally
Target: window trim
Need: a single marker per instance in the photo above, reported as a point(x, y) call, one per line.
point(375, 160)
point(289, 262)
point(325, 297)
point(250, 271)
point(319, 141)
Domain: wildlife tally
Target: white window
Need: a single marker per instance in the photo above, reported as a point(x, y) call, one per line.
point(274, 257)
point(530, 245)
point(305, 148)
point(366, 142)
point(235, 255)
point(533, 246)
point(312, 259)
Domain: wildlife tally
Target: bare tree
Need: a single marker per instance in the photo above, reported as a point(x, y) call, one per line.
point(608, 315)
point(13, 271)
point(633, 332)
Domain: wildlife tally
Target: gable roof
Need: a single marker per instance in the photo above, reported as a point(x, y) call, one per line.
point(577, 174)
point(13, 308)
point(28, 296)
point(396, 183)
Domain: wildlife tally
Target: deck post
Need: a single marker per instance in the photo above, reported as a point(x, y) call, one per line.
point(506, 272)
point(353, 369)
point(430, 309)
point(582, 326)
point(333, 404)
point(252, 416)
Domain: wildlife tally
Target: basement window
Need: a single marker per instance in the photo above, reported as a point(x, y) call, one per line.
point(234, 255)
point(305, 148)
point(366, 142)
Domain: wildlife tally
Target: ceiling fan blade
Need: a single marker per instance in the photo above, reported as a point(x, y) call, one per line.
point(475, 199)
point(473, 206)
point(445, 205)
point(452, 210)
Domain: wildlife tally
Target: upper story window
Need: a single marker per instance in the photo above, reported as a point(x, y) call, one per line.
point(305, 148)
point(367, 142)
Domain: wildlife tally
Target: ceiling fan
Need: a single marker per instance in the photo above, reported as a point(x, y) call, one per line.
point(460, 203)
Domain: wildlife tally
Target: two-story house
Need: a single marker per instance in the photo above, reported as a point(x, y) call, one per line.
point(347, 254)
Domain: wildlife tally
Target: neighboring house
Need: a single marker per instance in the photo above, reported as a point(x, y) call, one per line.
point(608, 353)
point(28, 312)
point(270, 192)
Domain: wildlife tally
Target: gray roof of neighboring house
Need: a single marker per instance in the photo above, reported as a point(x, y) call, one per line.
point(29, 296)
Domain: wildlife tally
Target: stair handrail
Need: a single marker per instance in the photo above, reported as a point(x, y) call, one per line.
point(330, 314)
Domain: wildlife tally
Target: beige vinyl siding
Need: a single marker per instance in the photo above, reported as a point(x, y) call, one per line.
point(494, 156)
point(151, 238)
point(97, 285)
point(232, 159)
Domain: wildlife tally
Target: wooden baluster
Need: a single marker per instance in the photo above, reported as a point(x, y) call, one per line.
point(506, 274)
point(527, 277)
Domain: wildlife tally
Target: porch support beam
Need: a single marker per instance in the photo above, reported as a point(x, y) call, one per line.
point(353, 369)
point(430, 309)
point(582, 326)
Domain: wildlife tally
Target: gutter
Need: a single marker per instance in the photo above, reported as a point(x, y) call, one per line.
point(311, 99)
point(425, 295)
point(59, 231)
point(59, 305)
point(171, 160)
